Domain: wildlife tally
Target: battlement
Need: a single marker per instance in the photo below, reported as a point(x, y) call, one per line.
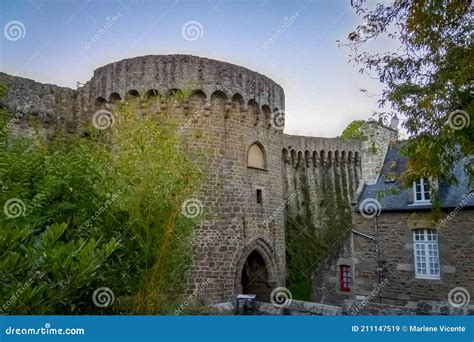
point(257, 176)
point(302, 151)
point(151, 75)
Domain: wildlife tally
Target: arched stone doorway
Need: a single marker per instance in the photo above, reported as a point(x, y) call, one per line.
point(256, 271)
point(254, 279)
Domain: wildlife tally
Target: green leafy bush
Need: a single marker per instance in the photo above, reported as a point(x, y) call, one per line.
point(99, 210)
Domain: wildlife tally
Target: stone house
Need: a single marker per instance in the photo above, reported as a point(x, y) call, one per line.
point(398, 254)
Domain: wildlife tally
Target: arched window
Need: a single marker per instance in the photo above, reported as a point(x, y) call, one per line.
point(256, 156)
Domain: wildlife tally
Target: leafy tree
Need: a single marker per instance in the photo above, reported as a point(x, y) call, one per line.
point(99, 210)
point(428, 80)
point(3, 90)
point(353, 130)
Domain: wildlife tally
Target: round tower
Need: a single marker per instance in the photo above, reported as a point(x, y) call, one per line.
point(240, 116)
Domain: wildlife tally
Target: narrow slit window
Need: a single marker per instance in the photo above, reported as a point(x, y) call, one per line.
point(259, 196)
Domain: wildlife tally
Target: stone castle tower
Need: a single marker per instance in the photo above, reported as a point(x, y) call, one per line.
point(257, 175)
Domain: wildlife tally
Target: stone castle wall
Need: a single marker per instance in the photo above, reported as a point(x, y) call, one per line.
point(50, 104)
point(323, 162)
point(320, 177)
point(230, 109)
point(372, 149)
point(161, 74)
point(306, 180)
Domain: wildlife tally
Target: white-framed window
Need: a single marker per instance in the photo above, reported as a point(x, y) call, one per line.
point(421, 191)
point(426, 253)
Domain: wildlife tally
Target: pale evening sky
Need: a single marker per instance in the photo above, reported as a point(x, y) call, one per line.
point(322, 90)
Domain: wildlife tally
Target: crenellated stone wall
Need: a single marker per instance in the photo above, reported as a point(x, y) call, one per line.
point(142, 76)
point(321, 161)
point(230, 108)
point(320, 176)
point(50, 104)
point(369, 157)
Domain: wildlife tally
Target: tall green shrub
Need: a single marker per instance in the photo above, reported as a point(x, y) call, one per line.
point(99, 210)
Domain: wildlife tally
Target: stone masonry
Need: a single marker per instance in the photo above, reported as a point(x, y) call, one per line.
point(232, 108)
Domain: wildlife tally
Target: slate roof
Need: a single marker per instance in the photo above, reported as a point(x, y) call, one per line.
point(451, 196)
